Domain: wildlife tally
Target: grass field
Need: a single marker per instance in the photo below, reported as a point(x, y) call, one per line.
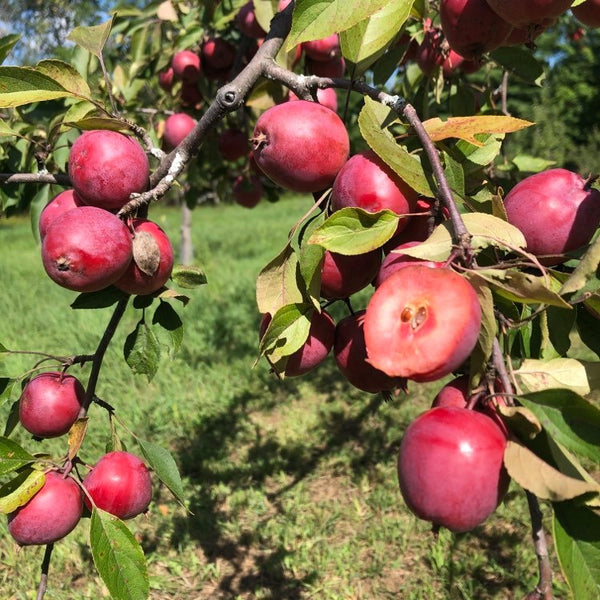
point(291, 485)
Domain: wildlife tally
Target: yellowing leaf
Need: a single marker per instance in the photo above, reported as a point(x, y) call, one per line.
point(466, 128)
point(20, 490)
point(536, 375)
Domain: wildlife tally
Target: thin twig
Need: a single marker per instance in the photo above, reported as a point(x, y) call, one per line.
point(543, 590)
point(43, 585)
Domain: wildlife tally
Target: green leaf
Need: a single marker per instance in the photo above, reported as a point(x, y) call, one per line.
point(188, 276)
point(92, 38)
point(101, 299)
point(541, 479)
point(570, 419)
point(366, 41)
point(519, 62)
point(487, 148)
point(371, 122)
point(584, 271)
point(38, 203)
point(66, 75)
point(488, 330)
point(12, 456)
point(311, 263)
point(24, 85)
point(537, 375)
point(577, 542)
point(287, 331)
point(118, 557)
point(98, 123)
point(317, 19)
point(142, 350)
point(21, 489)
point(278, 283)
point(164, 466)
point(531, 164)
point(352, 231)
point(7, 43)
point(166, 317)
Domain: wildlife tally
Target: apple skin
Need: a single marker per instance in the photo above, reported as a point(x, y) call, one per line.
point(472, 27)
point(86, 249)
point(218, 54)
point(334, 67)
point(555, 212)
point(177, 126)
point(326, 97)
point(247, 191)
point(526, 35)
point(106, 167)
point(60, 204)
point(190, 95)
point(290, 137)
point(394, 262)
point(186, 66)
point(323, 49)
point(454, 63)
point(134, 280)
point(365, 181)
point(232, 144)
point(588, 13)
point(120, 484)
point(247, 23)
point(422, 323)
point(521, 14)
point(430, 54)
point(165, 79)
point(50, 515)
point(450, 467)
point(350, 355)
point(344, 275)
point(50, 404)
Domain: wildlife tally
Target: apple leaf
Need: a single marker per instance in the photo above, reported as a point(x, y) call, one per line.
point(287, 331)
point(532, 164)
point(100, 299)
point(317, 19)
point(7, 43)
point(570, 419)
point(537, 375)
point(519, 62)
point(366, 41)
point(164, 466)
point(479, 155)
point(577, 541)
point(118, 557)
point(466, 128)
point(142, 350)
point(352, 231)
point(541, 479)
point(92, 38)
point(264, 12)
point(20, 490)
point(76, 436)
point(166, 317)
point(408, 166)
point(521, 420)
point(188, 276)
point(12, 456)
point(66, 75)
point(487, 332)
point(278, 282)
point(584, 271)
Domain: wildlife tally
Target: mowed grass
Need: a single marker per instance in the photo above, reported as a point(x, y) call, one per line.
point(291, 486)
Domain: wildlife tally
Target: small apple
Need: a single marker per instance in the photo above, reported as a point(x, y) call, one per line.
point(186, 66)
point(522, 14)
point(247, 23)
point(344, 275)
point(247, 191)
point(60, 204)
point(232, 144)
point(323, 49)
point(177, 126)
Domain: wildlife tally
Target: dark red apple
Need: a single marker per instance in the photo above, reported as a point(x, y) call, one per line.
point(556, 210)
point(521, 14)
point(60, 204)
point(472, 27)
point(300, 145)
point(455, 63)
point(177, 126)
point(50, 404)
point(422, 323)
point(323, 49)
point(247, 23)
point(232, 144)
point(165, 79)
point(431, 54)
point(50, 515)
point(120, 484)
point(342, 275)
point(86, 249)
point(190, 95)
point(247, 191)
point(218, 53)
point(152, 260)
point(334, 67)
point(106, 167)
point(588, 13)
point(450, 467)
point(186, 66)
point(350, 355)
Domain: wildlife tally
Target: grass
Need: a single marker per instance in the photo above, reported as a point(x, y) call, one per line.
point(291, 485)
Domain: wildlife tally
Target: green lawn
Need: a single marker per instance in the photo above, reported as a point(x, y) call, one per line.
point(291, 486)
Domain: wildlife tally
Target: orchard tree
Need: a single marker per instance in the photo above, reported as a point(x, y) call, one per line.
point(490, 270)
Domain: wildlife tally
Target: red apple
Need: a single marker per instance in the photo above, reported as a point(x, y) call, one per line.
point(217, 53)
point(165, 79)
point(300, 145)
point(472, 27)
point(342, 275)
point(106, 167)
point(323, 49)
point(177, 126)
point(152, 260)
point(326, 97)
point(588, 13)
point(50, 515)
point(526, 35)
point(556, 211)
point(186, 66)
point(60, 204)
point(450, 467)
point(120, 484)
point(521, 14)
point(247, 23)
point(395, 261)
point(86, 249)
point(350, 355)
point(247, 191)
point(430, 53)
point(454, 393)
point(232, 144)
point(422, 323)
point(455, 63)
point(334, 67)
point(190, 95)
point(50, 404)
point(366, 182)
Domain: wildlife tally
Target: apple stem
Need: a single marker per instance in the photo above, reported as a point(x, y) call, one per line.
point(43, 585)
point(589, 182)
point(543, 590)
